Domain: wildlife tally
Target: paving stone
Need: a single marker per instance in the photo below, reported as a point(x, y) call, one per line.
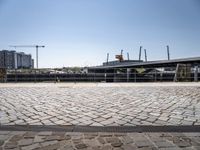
point(10, 145)
point(67, 147)
point(46, 133)
point(54, 137)
point(4, 132)
point(67, 137)
point(192, 134)
point(24, 142)
point(164, 144)
point(90, 136)
point(106, 147)
point(196, 147)
point(101, 140)
point(141, 144)
point(30, 134)
point(77, 140)
point(183, 144)
point(91, 142)
point(16, 138)
point(195, 141)
point(47, 143)
point(17, 148)
point(127, 140)
point(81, 146)
point(129, 147)
point(170, 148)
point(115, 142)
point(38, 139)
point(148, 148)
point(49, 147)
point(30, 147)
point(118, 148)
point(4, 137)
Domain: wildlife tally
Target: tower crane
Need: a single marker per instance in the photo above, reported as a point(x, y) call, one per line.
point(31, 46)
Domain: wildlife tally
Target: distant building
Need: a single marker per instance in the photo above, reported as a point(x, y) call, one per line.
point(7, 59)
point(32, 63)
point(23, 60)
point(15, 60)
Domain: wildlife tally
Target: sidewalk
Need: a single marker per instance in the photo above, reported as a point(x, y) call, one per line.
point(100, 116)
point(48, 140)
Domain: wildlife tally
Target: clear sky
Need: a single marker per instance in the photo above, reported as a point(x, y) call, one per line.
point(81, 32)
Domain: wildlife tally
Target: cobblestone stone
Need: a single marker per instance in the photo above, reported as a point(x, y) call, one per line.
point(100, 105)
point(30, 147)
point(25, 142)
point(113, 141)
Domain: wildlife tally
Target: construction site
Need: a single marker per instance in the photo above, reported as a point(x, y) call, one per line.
point(119, 70)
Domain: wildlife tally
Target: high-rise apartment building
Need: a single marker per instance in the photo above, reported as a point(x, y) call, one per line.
point(23, 60)
point(14, 60)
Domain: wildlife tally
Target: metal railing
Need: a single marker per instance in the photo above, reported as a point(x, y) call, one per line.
point(114, 75)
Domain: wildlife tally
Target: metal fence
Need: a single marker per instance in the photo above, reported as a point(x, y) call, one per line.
point(113, 75)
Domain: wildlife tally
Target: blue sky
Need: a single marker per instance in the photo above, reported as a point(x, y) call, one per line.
point(81, 32)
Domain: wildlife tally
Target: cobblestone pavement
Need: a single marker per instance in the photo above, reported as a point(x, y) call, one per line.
point(102, 105)
point(97, 141)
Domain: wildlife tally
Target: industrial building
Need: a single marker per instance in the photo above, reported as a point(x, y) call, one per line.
point(15, 60)
point(184, 69)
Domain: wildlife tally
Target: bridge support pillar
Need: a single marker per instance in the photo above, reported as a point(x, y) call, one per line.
point(196, 71)
point(128, 70)
point(114, 75)
point(105, 76)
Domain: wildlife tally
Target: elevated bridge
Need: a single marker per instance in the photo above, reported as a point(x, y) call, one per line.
point(194, 61)
point(184, 69)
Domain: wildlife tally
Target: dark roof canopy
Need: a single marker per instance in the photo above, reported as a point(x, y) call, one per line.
point(159, 63)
